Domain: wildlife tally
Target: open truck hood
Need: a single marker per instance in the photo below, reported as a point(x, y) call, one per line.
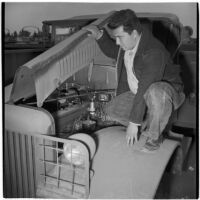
point(154, 16)
point(43, 74)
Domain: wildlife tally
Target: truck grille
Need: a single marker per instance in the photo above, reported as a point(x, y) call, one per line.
point(35, 166)
point(18, 172)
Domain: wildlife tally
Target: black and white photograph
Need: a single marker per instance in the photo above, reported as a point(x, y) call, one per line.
point(100, 100)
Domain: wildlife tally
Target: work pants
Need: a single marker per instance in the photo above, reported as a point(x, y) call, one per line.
point(161, 99)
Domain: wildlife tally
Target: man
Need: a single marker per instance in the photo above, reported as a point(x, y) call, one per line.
point(149, 86)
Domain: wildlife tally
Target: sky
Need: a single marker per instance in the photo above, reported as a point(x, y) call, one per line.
point(20, 14)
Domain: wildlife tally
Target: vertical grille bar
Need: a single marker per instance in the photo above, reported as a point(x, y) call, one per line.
point(30, 165)
point(24, 166)
point(58, 167)
point(12, 165)
point(7, 178)
point(44, 159)
point(18, 164)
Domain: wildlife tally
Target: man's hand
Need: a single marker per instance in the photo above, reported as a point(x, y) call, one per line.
point(131, 133)
point(94, 31)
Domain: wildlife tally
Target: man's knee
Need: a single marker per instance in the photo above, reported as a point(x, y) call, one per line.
point(158, 91)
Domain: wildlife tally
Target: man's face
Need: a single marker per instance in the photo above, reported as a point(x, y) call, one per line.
point(123, 39)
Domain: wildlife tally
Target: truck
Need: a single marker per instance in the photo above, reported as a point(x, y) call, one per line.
point(57, 140)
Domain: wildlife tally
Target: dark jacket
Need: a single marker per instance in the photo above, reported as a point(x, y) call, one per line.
point(152, 63)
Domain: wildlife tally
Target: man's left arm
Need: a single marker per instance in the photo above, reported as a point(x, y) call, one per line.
point(153, 69)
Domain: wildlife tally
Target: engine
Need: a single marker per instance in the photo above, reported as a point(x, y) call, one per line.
point(76, 108)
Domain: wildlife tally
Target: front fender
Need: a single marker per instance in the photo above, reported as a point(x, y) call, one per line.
point(121, 171)
point(24, 119)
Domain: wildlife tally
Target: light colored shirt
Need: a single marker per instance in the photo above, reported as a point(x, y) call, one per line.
point(131, 77)
point(128, 61)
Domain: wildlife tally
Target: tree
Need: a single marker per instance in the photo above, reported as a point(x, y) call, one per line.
point(35, 35)
point(15, 34)
point(24, 33)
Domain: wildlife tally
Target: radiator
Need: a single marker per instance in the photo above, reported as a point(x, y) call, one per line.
point(19, 165)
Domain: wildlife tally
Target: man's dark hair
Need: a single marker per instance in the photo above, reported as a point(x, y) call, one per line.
point(126, 18)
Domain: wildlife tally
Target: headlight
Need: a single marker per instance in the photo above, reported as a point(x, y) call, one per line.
point(74, 154)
